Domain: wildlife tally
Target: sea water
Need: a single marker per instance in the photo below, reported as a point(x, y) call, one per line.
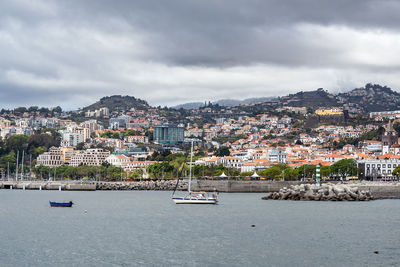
point(145, 228)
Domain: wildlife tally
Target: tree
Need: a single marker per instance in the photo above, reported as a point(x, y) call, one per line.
point(325, 171)
point(298, 142)
point(396, 172)
point(131, 132)
point(80, 146)
point(222, 151)
point(246, 174)
point(291, 174)
point(33, 109)
point(20, 110)
point(57, 109)
point(344, 167)
point(273, 172)
point(306, 171)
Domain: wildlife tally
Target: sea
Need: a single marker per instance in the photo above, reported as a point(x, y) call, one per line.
point(145, 228)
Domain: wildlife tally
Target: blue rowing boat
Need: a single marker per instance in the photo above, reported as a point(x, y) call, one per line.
point(61, 204)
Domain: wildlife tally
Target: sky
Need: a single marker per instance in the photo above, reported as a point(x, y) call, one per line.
point(72, 53)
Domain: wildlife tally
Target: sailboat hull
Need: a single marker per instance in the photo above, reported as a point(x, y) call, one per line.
point(181, 200)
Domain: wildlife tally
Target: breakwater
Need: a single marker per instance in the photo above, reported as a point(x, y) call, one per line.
point(325, 192)
point(166, 185)
point(379, 190)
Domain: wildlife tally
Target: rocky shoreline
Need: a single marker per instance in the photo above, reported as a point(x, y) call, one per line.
point(159, 185)
point(165, 185)
point(325, 192)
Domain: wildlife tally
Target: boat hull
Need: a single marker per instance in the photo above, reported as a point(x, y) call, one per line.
point(61, 204)
point(181, 200)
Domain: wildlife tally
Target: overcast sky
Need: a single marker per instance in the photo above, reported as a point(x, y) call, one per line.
point(71, 53)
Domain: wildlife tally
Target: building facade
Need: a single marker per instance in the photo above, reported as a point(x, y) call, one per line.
point(90, 157)
point(168, 134)
point(374, 169)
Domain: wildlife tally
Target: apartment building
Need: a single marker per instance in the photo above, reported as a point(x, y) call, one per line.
point(52, 158)
point(90, 157)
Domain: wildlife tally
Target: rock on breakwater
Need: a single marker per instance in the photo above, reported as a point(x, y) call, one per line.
point(325, 192)
point(142, 185)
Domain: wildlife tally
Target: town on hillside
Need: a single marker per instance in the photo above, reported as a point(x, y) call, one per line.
point(352, 135)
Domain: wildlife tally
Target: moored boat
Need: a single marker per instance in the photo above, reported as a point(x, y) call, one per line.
point(194, 197)
point(197, 198)
point(61, 204)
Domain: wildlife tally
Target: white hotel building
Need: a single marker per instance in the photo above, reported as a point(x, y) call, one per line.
point(373, 169)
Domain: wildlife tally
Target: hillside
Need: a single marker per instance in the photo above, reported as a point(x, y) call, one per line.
point(372, 97)
point(317, 98)
point(118, 102)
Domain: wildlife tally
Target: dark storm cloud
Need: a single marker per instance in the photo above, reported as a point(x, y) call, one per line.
point(72, 52)
point(240, 32)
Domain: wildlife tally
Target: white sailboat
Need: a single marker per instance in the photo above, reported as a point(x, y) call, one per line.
point(195, 197)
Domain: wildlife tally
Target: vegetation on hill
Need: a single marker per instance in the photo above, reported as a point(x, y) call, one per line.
point(118, 102)
point(372, 97)
point(318, 98)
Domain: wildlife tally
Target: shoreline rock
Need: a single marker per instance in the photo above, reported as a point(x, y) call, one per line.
point(158, 185)
point(325, 192)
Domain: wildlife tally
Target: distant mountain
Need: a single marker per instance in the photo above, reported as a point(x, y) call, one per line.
point(118, 102)
point(224, 102)
point(191, 105)
point(371, 97)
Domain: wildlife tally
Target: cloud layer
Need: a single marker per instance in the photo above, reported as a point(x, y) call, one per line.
point(71, 53)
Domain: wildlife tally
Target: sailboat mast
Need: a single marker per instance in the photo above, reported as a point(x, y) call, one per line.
point(22, 171)
point(190, 167)
point(30, 166)
point(16, 171)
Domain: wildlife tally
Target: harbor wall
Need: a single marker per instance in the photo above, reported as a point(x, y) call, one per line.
point(237, 186)
point(378, 189)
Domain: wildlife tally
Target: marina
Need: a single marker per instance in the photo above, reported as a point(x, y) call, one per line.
point(141, 228)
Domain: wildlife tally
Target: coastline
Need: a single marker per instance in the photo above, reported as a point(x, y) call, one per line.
point(380, 190)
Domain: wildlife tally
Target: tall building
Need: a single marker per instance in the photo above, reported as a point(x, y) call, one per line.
point(71, 139)
point(389, 138)
point(119, 122)
point(168, 134)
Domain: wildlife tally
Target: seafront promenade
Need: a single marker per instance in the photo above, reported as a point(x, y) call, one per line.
point(378, 189)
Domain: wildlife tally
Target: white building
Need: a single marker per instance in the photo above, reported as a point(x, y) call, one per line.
point(136, 165)
point(90, 157)
point(374, 169)
point(72, 139)
point(118, 160)
point(53, 158)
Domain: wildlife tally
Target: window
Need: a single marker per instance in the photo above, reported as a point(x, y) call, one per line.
point(389, 165)
point(383, 165)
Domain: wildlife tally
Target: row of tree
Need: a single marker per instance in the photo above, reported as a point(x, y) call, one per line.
point(103, 173)
point(175, 165)
point(29, 146)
